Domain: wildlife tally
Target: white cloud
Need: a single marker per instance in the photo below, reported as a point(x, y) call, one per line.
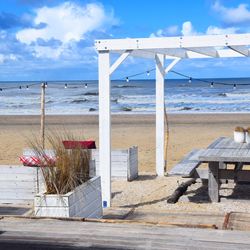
point(213, 30)
point(169, 31)
point(67, 23)
point(238, 15)
point(10, 57)
point(174, 30)
point(188, 29)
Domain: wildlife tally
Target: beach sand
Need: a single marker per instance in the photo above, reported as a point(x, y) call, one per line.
point(187, 132)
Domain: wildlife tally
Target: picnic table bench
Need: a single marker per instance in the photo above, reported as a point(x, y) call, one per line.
point(188, 164)
point(218, 155)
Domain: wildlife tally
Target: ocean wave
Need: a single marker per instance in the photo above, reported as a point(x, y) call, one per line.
point(142, 99)
point(92, 93)
point(238, 94)
point(206, 101)
point(73, 87)
point(78, 101)
point(124, 86)
point(126, 109)
point(114, 100)
point(222, 94)
point(186, 108)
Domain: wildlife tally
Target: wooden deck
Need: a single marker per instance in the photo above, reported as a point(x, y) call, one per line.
point(20, 233)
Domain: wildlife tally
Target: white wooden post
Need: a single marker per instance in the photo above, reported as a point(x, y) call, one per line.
point(160, 133)
point(104, 126)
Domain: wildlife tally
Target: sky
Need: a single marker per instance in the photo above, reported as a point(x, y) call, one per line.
point(54, 40)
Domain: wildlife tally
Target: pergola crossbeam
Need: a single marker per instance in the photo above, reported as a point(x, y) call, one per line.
point(174, 42)
point(171, 65)
point(116, 64)
point(160, 64)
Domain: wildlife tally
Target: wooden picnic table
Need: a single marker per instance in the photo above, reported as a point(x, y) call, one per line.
point(218, 155)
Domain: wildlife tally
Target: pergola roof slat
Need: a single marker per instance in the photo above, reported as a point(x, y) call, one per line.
point(210, 51)
point(243, 50)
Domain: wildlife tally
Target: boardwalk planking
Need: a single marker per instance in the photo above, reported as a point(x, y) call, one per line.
point(115, 235)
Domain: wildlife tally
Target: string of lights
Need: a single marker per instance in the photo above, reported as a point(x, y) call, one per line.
point(137, 74)
point(129, 77)
point(27, 86)
point(190, 79)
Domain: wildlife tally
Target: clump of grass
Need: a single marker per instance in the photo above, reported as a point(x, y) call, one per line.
point(70, 167)
point(239, 129)
point(248, 130)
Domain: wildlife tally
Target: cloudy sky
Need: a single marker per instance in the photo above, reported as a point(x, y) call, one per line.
point(54, 40)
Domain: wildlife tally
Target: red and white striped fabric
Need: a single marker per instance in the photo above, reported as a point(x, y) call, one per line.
point(29, 161)
point(32, 161)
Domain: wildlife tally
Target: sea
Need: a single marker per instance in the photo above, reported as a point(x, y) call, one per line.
point(133, 97)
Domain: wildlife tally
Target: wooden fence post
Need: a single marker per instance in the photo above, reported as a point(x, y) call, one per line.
point(42, 133)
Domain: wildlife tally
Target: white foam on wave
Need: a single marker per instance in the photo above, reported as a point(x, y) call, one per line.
point(238, 94)
point(137, 99)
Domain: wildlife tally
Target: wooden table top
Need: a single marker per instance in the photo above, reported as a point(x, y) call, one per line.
point(225, 149)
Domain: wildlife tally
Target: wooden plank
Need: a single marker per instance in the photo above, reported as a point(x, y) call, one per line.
point(200, 174)
point(20, 177)
point(239, 221)
point(132, 169)
point(222, 165)
point(213, 181)
point(187, 165)
point(17, 196)
point(217, 141)
point(21, 201)
point(223, 143)
point(242, 175)
point(226, 155)
point(5, 184)
point(121, 236)
point(16, 169)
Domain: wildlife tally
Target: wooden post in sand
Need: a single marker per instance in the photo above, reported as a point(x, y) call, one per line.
point(42, 134)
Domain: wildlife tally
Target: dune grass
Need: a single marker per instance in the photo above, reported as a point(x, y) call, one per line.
point(68, 169)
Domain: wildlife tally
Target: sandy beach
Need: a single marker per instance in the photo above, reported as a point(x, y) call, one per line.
point(186, 133)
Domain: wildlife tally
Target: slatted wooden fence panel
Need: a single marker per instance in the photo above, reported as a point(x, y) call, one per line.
point(19, 184)
point(124, 163)
point(84, 201)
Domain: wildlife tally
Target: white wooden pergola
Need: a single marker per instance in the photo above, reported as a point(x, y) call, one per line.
point(158, 49)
